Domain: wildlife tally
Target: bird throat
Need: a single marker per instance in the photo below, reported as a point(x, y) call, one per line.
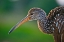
point(42, 24)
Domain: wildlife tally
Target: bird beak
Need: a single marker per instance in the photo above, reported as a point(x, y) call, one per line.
point(19, 23)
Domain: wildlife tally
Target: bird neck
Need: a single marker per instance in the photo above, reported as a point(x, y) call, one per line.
point(42, 23)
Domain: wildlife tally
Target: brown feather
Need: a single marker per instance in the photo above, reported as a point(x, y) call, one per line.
point(57, 17)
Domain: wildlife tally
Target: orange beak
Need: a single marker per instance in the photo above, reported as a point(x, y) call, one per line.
point(19, 23)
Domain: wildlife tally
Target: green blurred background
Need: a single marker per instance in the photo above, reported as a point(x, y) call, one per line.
point(12, 11)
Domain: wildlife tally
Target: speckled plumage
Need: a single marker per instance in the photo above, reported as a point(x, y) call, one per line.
point(51, 24)
point(56, 17)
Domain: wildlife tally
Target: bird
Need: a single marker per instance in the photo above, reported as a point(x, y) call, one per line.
point(53, 23)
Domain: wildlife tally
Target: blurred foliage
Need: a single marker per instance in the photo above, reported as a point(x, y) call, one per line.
point(12, 11)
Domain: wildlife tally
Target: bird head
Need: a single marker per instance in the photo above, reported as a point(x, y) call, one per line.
point(33, 14)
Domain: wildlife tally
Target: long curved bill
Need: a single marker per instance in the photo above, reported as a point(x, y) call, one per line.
point(19, 23)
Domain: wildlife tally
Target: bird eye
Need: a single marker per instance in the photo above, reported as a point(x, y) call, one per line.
point(31, 13)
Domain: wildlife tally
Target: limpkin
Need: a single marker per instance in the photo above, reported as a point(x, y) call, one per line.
point(51, 24)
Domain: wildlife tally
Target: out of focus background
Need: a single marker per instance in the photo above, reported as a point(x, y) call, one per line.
point(12, 11)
